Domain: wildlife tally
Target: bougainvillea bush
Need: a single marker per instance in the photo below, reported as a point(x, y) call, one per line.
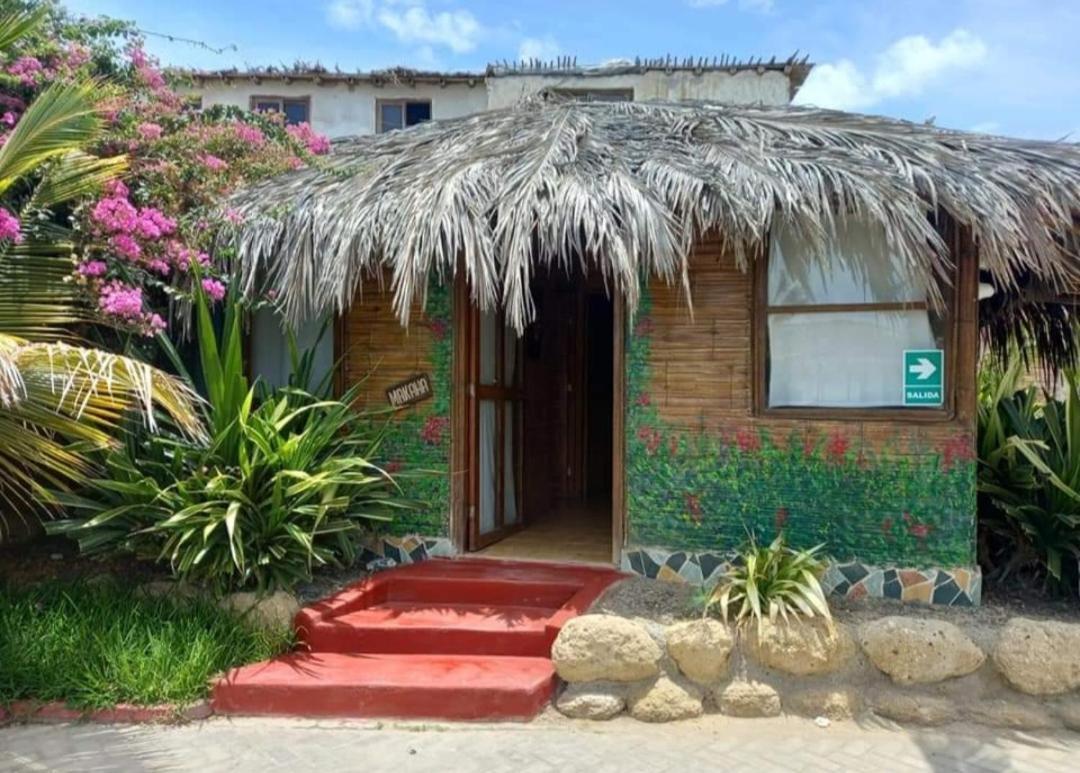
point(139, 237)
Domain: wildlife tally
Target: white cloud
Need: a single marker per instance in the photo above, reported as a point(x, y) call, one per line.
point(457, 30)
point(904, 69)
point(410, 21)
point(538, 48)
point(349, 14)
point(763, 6)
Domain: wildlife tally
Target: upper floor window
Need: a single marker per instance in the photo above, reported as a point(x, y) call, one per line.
point(295, 109)
point(400, 113)
point(835, 326)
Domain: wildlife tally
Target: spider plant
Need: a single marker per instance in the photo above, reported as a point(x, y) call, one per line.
point(771, 581)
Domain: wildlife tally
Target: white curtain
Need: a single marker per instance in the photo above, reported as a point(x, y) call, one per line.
point(510, 510)
point(841, 359)
point(487, 466)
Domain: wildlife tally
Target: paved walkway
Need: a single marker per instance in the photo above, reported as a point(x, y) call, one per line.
point(549, 744)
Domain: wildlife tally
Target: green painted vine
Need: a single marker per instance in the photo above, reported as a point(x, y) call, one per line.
point(417, 443)
point(708, 491)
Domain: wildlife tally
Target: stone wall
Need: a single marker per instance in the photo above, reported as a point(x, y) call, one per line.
point(1022, 675)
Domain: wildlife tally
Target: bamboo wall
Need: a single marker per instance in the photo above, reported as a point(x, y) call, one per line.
point(704, 469)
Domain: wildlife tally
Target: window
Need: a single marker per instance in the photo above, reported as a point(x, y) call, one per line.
point(835, 326)
point(295, 109)
point(399, 113)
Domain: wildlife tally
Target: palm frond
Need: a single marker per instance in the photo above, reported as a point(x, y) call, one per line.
point(74, 175)
point(626, 188)
point(18, 24)
point(62, 118)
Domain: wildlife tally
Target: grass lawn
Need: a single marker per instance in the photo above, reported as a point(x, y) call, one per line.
point(99, 644)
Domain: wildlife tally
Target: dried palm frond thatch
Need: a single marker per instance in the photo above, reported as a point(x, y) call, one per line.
point(626, 187)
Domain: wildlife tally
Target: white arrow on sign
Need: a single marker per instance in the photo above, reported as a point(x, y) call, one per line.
point(923, 369)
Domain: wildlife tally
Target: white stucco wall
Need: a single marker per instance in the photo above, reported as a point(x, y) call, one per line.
point(743, 87)
point(337, 111)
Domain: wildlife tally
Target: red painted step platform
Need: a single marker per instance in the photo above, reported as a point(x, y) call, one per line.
point(442, 639)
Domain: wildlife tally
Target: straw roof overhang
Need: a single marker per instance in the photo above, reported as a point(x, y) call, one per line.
point(627, 187)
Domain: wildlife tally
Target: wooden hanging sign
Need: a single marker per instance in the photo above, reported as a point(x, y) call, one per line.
point(412, 390)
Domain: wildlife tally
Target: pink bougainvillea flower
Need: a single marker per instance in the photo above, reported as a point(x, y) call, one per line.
point(316, 144)
point(120, 300)
point(252, 135)
point(10, 227)
point(150, 131)
point(28, 69)
point(160, 266)
point(155, 324)
point(234, 216)
point(115, 214)
point(214, 289)
point(212, 162)
point(153, 224)
point(125, 246)
point(93, 268)
point(8, 118)
point(76, 55)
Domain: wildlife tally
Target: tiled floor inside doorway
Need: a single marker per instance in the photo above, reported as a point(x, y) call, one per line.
point(576, 532)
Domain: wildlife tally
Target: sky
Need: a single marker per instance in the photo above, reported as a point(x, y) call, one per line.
point(998, 66)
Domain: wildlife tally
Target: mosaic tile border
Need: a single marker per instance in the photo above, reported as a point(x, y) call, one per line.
point(409, 549)
point(961, 587)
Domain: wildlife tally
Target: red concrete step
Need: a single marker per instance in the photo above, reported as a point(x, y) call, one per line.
point(449, 639)
point(413, 627)
point(460, 687)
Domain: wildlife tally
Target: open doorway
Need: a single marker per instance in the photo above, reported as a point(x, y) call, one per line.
point(555, 386)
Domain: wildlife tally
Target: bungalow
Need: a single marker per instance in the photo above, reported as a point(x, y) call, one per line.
point(638, 333)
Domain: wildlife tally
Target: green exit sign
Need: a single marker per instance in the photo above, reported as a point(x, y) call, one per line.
point(924, 377)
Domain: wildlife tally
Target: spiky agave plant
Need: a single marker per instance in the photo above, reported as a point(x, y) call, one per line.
point(771, 581)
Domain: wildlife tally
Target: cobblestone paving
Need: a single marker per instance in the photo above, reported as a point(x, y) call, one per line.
point(549, 744)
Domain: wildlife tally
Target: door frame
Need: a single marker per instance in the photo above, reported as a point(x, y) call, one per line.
point(464, 430)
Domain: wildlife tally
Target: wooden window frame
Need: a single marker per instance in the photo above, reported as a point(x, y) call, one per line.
point(759, 345)
point(403, 102)
point(255, 99)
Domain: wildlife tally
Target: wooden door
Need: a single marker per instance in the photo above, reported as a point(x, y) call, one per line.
point(495, 417)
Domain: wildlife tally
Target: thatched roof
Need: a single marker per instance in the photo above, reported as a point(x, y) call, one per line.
point(626, 187)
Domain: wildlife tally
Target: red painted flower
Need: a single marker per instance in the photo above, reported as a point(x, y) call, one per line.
point(392, 466)
point(837, 447)
point(644, 326)
point(809, 446)
point(644, 399)
point(781, 518)
point(920, 530)
point(673, 445)
point(438, 328)
point(959, 448)
point(747, 440)
point(693, 506)
point(886, 526)
point(433, 429)
point(651, 438)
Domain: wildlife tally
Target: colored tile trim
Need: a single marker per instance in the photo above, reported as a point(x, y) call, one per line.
point(853, 580)
point(409, 549)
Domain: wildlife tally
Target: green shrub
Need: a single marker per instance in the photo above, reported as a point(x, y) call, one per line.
point(281, 487)
point(1029, 478)
point(99, 644)
point(772, 581)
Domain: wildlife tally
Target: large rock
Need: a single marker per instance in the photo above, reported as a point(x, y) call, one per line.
point(919, 651)
point(592, 700)
point(836, 704)
point(274, 612)
point(1039, 657)
point(594, 648)
point(748, 699)
point(1068, 712)
point(666, 700)
point(913, 708)
point(701, 649)
point(801, 647)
